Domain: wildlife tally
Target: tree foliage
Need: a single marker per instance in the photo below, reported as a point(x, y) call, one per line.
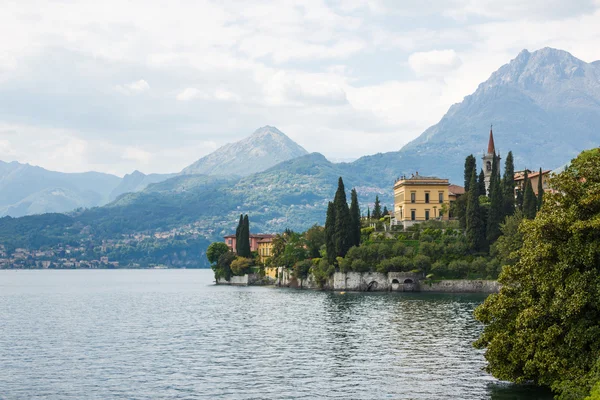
point(475, 233)
point(377, 213)
point(216, 250)
point(544, 324)
point(470, 166)
point(529, 200)
point(355, 218)
point(508, 185)
point(496, 210)
point(540, 190)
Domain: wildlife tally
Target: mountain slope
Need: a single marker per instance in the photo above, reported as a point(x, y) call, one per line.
point(266, 147)
point(135, 182)
point(545, 107)
point(26, 189)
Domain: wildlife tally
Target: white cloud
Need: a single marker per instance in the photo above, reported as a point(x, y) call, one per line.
point(133, 87)
point(188, 94)
point(434, 63)
point(138, 155)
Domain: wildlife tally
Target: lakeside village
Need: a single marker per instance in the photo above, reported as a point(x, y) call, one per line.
point(438, 237)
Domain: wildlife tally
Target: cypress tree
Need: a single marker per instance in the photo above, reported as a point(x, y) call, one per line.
point(529, 200)
point(355, 218)
point(475, 233)
point(245, 236)
point(494, 176)
point(343, 224)
point(496, 210)
point(369, 214)
point(481, 184)
point(540, 190)
point(470, 165)
point(238, 238)
point(386, 212)
point(508, 185)
point(330, 233)
point(377, 209)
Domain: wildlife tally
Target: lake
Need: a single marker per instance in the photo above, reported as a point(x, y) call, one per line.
point(172, 334)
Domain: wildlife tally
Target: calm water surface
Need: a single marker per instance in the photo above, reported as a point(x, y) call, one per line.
point(172, 334)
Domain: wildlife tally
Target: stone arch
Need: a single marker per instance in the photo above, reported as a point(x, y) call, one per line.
point(372, 286)
point(409, 281)
point(395, 284)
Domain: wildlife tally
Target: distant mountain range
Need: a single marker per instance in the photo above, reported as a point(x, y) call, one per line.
point(545, 107)
point(265, 148)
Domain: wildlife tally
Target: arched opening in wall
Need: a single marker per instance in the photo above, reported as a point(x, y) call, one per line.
point(395, 284)
point(372, 286)
point(409, 281)
point(488, 165)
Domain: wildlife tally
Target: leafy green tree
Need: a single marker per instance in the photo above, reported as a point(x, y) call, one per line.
point(496, 210)
point(481, 184)
point(475, 232)
point(544, 324)
point(315, 239)
point(355, 218)
point(470, 166)
point(216, 250)
point(511, 240)
point(529, 200)
point(223, 267)
point(241, 265)
point(540, 190)
point(330, 233)
point(508, 185)
point(377, 213)
point(343, 222)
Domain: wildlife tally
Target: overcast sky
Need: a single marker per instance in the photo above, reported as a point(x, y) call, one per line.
point(117, 85)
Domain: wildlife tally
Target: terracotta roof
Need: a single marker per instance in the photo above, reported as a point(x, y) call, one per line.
point(519, 176)
point(491, 146)
point(266, 240)
point(456, 190)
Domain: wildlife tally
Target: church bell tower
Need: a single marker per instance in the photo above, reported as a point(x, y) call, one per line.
point(488, 161)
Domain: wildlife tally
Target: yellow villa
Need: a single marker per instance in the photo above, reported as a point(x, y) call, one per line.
point(420, 198)
point(265, 251)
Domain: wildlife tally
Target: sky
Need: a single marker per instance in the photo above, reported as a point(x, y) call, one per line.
point(115, 86)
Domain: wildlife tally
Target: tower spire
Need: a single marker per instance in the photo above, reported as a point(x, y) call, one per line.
point(491, 146)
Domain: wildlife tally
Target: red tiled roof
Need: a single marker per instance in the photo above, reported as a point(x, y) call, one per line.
point(491, 146)
point(456, 190)
point(520, 175)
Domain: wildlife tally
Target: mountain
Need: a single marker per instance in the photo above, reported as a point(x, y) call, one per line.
point(27, 189)
point(266, 147)
point(135, 182)
point(544, 106)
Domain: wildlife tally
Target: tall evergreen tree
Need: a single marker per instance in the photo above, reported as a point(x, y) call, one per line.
point(245, 238)
point(540, 190)
point(470, 166)
point(496, 211)
point(508, 185)
point(369, 214)
point(386, 212)
point(377, 214)
point(330, 233)
point(343, 224)
point(238, 238)
point(529, 200)
point(481, 184)
point(355, 218)
point(475, 233)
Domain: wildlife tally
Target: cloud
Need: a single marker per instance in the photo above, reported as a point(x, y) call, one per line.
point(188, 94)
point(138, 155)
point(434, 63)
point(133, 87)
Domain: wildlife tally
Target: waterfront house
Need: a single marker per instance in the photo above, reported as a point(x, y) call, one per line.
point(231, 241)
point(420, 198)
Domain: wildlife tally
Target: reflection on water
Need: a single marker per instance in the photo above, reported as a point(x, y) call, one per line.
point(172, 334)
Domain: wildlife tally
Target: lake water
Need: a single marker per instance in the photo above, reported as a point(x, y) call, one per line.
point(172, 334)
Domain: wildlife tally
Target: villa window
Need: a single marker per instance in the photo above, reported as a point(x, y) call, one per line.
point(413, 215)
point(426, 215)
point(413, 197)
point(441, 197)
point(426, 197)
